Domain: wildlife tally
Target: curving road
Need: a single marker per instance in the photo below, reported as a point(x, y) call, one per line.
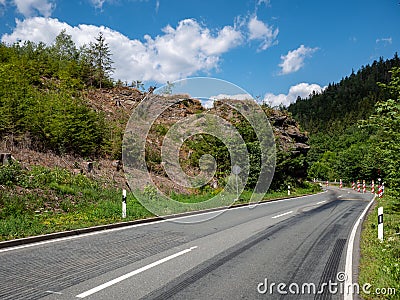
point(244, 253)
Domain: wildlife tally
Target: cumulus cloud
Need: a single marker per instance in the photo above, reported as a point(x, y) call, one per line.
point(259, 30)
point(177, 53)
point(302, 89)
point(210, 102)
point(294, 60)
point(34, 7)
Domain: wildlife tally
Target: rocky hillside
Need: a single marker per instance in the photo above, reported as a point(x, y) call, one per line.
point(117, 104)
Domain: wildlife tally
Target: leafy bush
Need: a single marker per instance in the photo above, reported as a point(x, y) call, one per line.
point(9, 174)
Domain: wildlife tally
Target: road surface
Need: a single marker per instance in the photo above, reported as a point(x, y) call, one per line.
point(236, 255)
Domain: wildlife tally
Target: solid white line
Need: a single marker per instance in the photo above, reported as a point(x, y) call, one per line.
point(133, 273)
point(281, 215)
point(320, 202)
point(143, 224)
point(349, 255)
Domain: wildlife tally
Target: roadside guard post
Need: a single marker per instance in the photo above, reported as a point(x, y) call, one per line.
point(373, 187)
point(341, 183)
point(124, 204)
point(288, 190)
point(380, 223)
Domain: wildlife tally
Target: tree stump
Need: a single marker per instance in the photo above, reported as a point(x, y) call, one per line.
point(5, 158)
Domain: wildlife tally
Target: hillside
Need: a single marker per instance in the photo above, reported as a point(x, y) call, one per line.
point(341, 104)
point(62, 121)
point(116, 104)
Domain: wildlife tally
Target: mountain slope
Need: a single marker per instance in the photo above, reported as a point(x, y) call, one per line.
point(343, 103)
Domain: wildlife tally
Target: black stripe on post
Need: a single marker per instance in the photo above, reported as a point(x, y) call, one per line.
point(380, 219)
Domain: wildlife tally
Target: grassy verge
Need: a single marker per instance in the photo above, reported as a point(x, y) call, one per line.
point(41, 201)
point(245, 196)
point(380, 261)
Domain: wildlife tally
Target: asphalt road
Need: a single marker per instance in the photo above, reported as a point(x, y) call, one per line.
point(243, 253)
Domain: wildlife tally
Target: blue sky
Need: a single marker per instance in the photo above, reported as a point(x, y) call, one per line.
point(274, 49)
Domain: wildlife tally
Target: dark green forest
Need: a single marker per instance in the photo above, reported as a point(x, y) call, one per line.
point(354, 125)
point(341, 104)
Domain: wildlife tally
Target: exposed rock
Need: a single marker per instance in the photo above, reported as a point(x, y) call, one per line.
point(118, 104)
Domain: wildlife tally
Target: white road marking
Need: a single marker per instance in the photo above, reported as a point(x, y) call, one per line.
point(281, 215)
point(320, 202)
point(133, 273)
point(340, 196)
point(52, 292)
point(349, 255)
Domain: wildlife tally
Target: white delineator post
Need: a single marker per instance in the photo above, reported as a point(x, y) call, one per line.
point(123, 203)
point(288, 190)
point(380, 223)
point(340, 183)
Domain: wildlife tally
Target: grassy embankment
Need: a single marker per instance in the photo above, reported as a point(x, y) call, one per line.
point(41, 201)
point(380, 261)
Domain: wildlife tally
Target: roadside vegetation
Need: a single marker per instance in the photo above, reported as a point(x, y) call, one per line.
point(380, 261)
point(43, 200)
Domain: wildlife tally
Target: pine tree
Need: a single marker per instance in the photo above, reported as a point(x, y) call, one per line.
point(64, 48)
point(101, 58)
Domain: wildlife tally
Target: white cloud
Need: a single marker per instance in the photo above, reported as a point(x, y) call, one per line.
point(179, 52)
point(157, 6)
point(34, 7)
point(265, 2)
point(98, 3)
point(302, 89)
point(210, 102)
point(385, 41)
point(294, 60)
point(259, 30)
point(3, 2)
point(232, 97)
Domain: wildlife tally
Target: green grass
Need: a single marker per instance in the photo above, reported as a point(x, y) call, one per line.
point(101, 207)
point(380, 261)
point(43, 200)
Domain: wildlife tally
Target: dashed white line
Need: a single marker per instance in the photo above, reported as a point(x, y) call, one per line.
point(281, 215)
point(320, 202)
point(52, 292)
point(133, 273)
